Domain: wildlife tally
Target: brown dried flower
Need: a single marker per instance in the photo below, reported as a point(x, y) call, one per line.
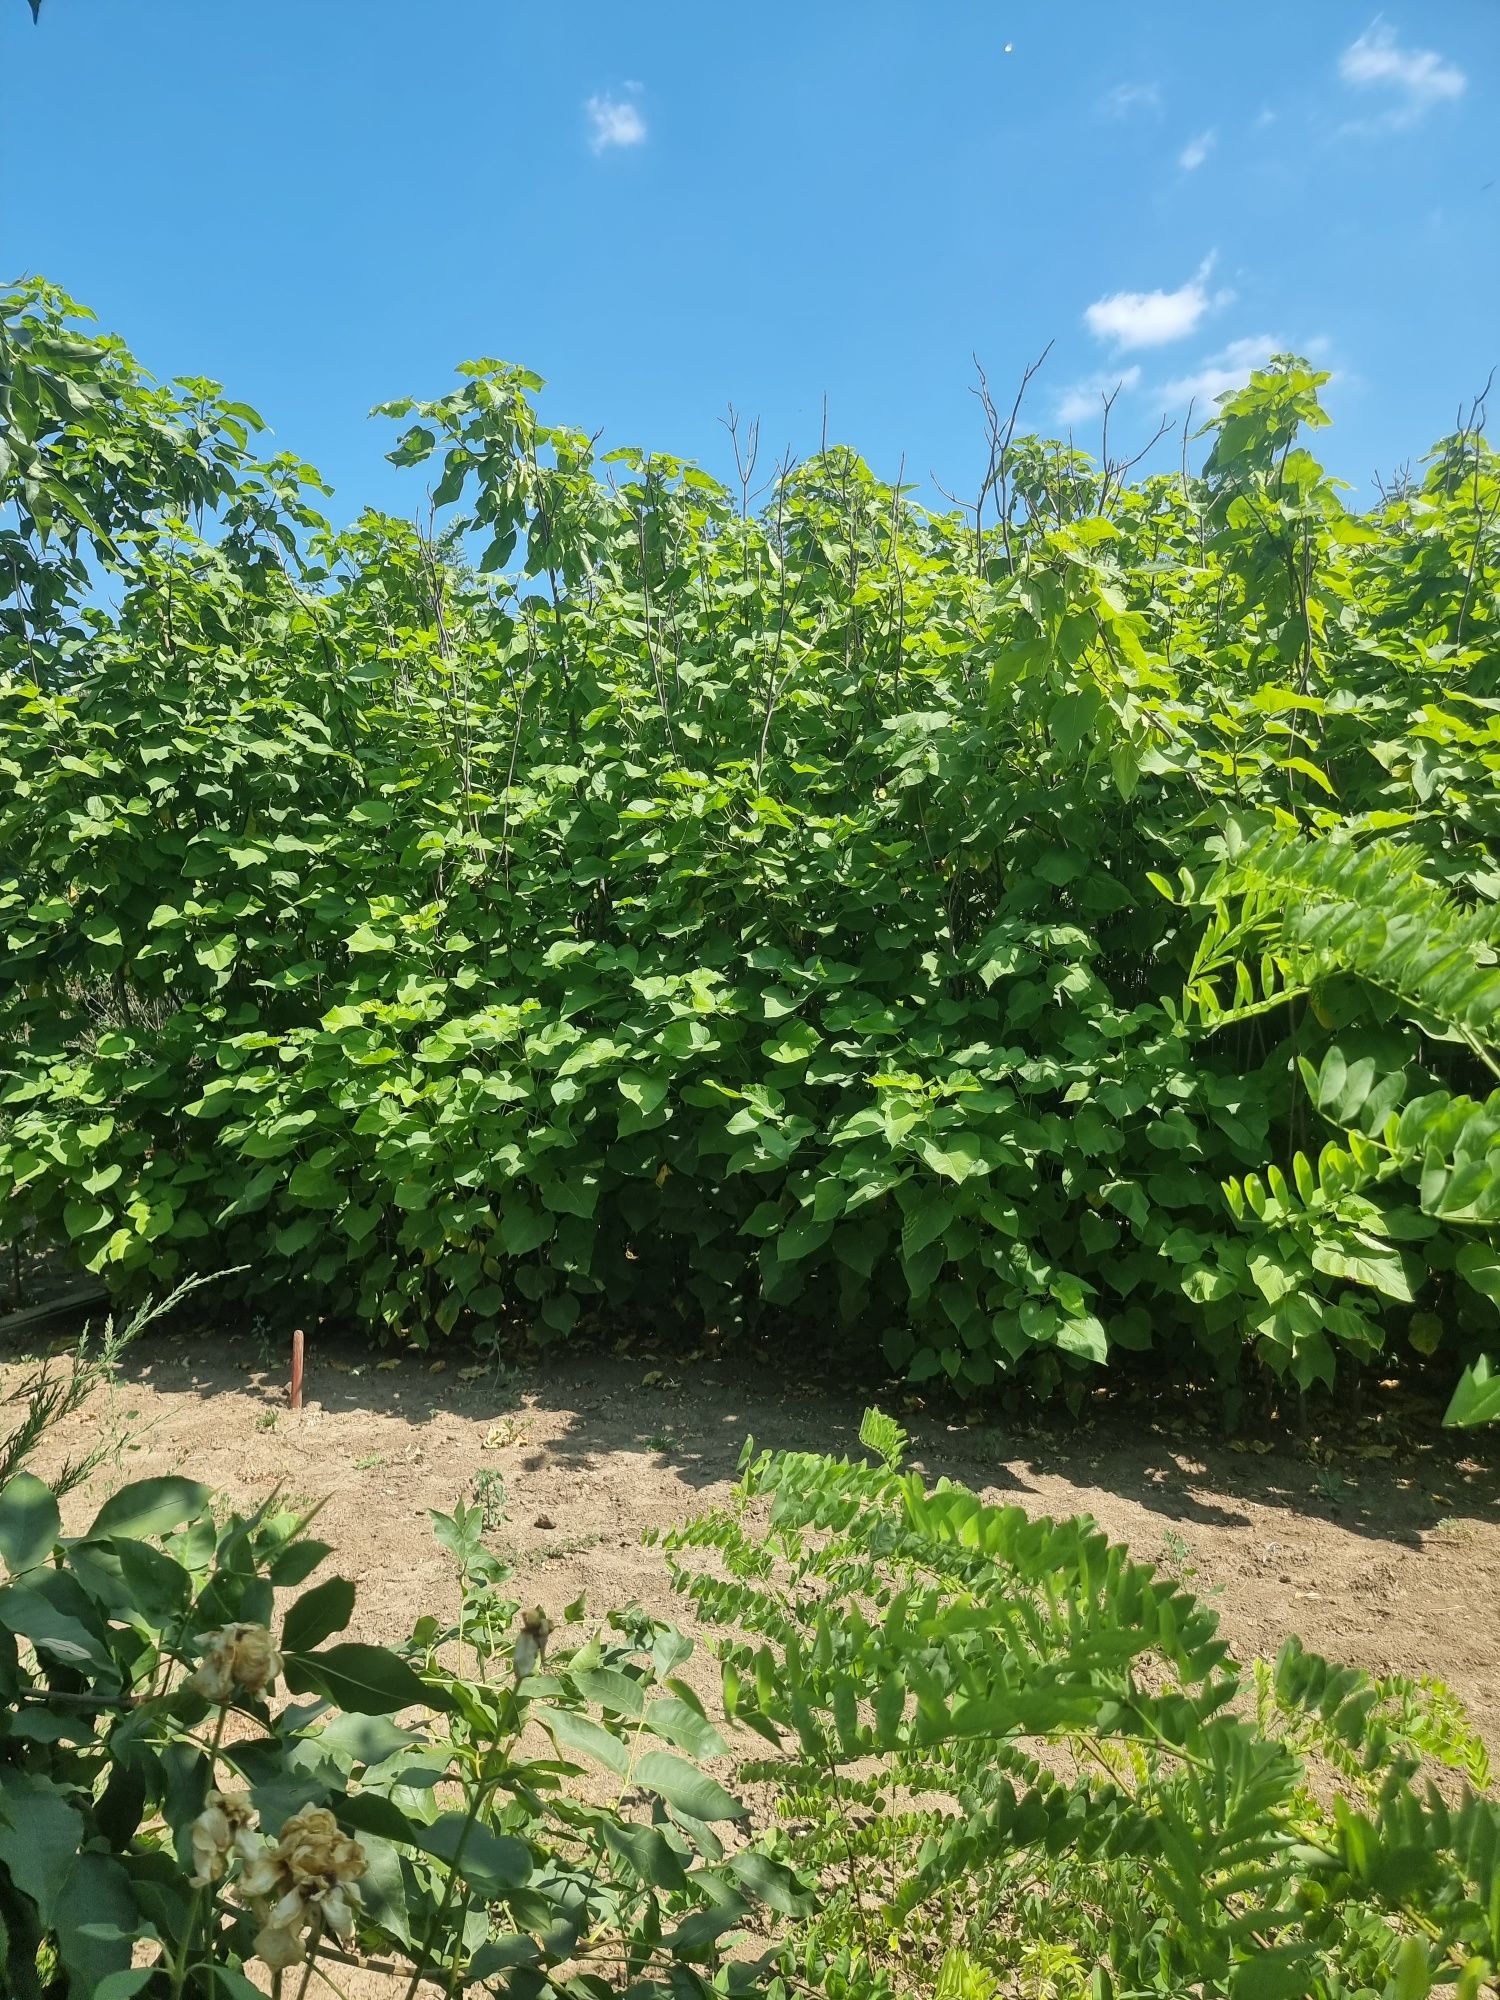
point(239, 1659)
point(222, 1829)
point(308, 1877)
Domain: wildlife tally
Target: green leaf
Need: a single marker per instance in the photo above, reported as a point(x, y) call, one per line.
point(364, 939)
point(644, 1092)
point(1279, 1972)
point(491, 1863)
point(884, 1436)
point(149, 1507)
point(318, 1614)
point(97, 1921)
point(296, 1563)
point(1084, 1335)
point(125, 1984)
point(63, 1639)
point(682, 1726)
point(698, 1935)
point(647, 1852)
point(1383, 1271)
point(373, 1813)
point(366, 1739)
point(40, 1834)
point(801, 1237)
point(795, 1044)
point(502, 1954)
point(232, 1983)
point(1479, 1265)
point(926, 1220)
point(961, 1977)
point(689, 1790)
point(365, 1679)
point(30, 1523)
point(571, 1731)
point(1476, 1400)
point(956, 1159)
point(773, 1884)
point(523, 1228)
point(612, 1689)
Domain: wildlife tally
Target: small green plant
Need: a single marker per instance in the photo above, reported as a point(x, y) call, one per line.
point(1176, 1556)
point(558, 1547)
point(1451, 1529)
point(963, 1978)
point(368, 1461)
point(489, 1498)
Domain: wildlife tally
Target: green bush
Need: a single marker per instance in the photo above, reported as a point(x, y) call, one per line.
point(1006, 1752)
point(842, 915)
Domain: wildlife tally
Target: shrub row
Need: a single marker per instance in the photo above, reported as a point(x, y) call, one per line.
point(616, 902)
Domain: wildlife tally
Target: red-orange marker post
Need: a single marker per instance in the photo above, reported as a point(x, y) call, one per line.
point(298, 1346)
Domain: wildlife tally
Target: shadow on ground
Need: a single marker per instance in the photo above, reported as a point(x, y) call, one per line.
point(1376, 1537)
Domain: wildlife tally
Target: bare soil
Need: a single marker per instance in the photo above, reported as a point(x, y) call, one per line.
point(1378, 1542)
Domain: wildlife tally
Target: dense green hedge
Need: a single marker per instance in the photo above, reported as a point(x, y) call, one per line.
point(618, 901)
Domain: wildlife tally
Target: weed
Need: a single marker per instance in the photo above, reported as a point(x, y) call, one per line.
point(555, 1548)
point(1176, 1555)
point(488, 1490)
point(1453, 1530)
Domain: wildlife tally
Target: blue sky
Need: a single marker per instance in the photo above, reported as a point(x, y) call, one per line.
point(669, 206)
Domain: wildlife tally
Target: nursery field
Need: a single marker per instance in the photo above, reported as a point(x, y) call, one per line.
point(620, 963)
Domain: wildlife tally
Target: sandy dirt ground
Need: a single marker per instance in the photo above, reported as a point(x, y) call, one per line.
point(1380, 1546)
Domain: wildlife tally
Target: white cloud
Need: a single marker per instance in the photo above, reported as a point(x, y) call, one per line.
point(1150, 319)
point(1196, 151)
point(1230, 368)
point(1085, 399)
point(1128, 97)
point(614, 121)
point(1418, 78)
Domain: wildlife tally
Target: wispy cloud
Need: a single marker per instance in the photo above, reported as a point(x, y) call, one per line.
point(1085, 399)
point(614, 121)
point(1230, 368)
point(1411, 80)
point(1128, 97)
point(1150, 319)
point(1196, 151)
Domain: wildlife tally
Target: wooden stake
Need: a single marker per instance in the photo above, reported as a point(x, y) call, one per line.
point(298, 1347)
